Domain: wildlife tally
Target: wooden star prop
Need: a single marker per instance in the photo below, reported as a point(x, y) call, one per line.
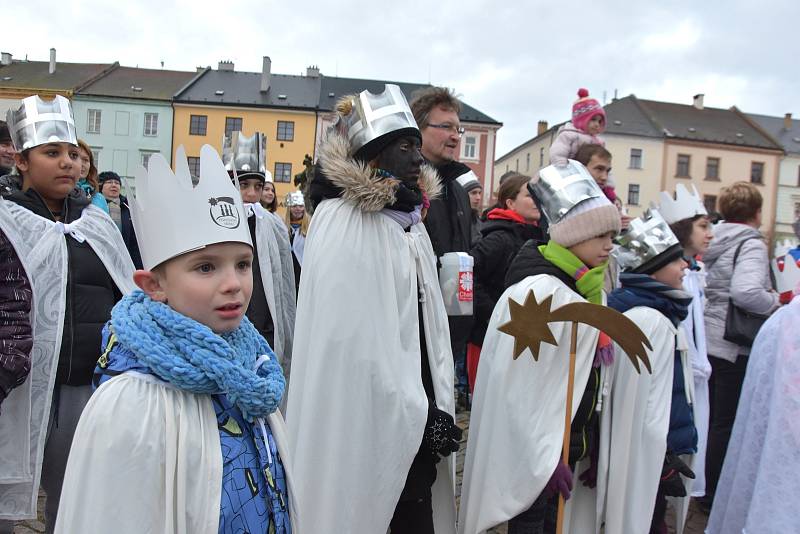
point(528, 325)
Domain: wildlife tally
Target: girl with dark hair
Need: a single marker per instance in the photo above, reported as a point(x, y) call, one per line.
point(79, 268)
point(268, 197)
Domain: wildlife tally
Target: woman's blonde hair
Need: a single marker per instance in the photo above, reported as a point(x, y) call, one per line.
point(303, 224)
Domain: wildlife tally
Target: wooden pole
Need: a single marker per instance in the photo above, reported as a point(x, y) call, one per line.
point(573, 347)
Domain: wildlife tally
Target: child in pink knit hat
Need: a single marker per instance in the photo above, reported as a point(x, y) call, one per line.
point(588, 121)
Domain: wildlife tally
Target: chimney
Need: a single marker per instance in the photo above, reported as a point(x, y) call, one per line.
point(698, 101)
point(265, 74)
point(199, 69)
point(312, 71)
point(787, 120)
point(541, 128)
point(6, 58)
point(225, 66)
point(52, 60)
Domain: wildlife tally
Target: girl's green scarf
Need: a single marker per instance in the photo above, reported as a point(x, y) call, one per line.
point(588, 281)
point(590, 285)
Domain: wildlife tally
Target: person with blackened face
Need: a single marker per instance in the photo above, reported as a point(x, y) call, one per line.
point(372, 370)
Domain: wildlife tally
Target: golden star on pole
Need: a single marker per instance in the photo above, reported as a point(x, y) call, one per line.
point(528, 325)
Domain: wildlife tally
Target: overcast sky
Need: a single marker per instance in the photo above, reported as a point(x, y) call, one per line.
point(518, 62)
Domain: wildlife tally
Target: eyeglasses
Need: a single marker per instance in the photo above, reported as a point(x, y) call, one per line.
point(459, 130)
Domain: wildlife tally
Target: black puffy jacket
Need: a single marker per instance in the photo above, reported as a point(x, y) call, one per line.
point(91, 293)
point(584, 430)
point(501, 240)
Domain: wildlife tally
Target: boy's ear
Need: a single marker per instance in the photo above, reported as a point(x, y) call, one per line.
point(150, 283)
point(21, 162)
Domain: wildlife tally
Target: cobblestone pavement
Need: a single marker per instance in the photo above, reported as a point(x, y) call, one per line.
point(695, 523)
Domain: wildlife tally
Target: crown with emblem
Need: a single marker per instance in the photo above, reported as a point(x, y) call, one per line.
point(647, 237)
point(37, 122)
point(171, 216)
point(246, 155)
point(366, 118)
point(560, 189)
point(684, 205)
point(786, 269)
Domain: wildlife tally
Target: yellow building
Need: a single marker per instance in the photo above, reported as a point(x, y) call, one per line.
point(283, 107)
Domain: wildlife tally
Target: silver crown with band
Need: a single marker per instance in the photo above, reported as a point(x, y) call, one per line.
point(371, 116)
point(245, 154)
point(37, 122)
point(647, 236)
point(560, 189)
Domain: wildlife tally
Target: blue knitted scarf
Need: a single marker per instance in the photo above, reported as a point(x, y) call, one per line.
point(188, 355)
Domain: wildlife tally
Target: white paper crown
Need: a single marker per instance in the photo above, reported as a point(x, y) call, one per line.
point(684, 205)
point(787, 273)
point(559, 189)
point(372, 116)
point(295, 198)
point(245, 155)
point(172, 217)
point(37, 122)
point(647, 236)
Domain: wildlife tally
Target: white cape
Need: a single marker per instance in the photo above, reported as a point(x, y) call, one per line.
point(277, 275)
point(357, 407)
point(759, 486)
point(146, 459)
point(633, 429)
point(42, 248)
point(517, 420)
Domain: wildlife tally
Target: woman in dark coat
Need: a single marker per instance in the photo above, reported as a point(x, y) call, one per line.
point(508, 226)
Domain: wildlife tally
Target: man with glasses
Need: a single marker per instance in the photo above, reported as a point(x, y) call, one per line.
point(449, 218)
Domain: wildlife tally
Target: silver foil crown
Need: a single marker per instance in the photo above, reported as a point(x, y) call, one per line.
point(375, 115)
point(37, 122)
point(559, 189)
point(245, 154)
point(295, 198)
point(648, 236)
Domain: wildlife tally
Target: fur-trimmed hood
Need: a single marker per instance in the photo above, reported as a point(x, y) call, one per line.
point(357, 181)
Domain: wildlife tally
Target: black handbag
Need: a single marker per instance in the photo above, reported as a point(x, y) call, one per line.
point(741, 326)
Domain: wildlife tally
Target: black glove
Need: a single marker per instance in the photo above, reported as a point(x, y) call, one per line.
point(442, 435)
point(671, 483)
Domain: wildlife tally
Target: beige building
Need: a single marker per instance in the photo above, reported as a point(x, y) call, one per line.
point(656, 145)
point(785, 131)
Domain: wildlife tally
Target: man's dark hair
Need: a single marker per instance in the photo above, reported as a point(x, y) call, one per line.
point(585, 153)
point(424, 100)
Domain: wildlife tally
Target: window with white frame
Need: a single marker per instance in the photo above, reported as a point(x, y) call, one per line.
point(150, 124)
point(470, 147)
point(145, 156)
point(636, 158)
point(285, 131)
point(633, 194)
point(283, 172)
point(93, 122)
point(96, 156)
point(194, 166)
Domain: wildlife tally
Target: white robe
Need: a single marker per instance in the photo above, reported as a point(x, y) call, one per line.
point(760, 482)
point(357, 407)
point(277, 276)
point(42, 248)
point(146, 458)
point(633, 429)
point(517, 420)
